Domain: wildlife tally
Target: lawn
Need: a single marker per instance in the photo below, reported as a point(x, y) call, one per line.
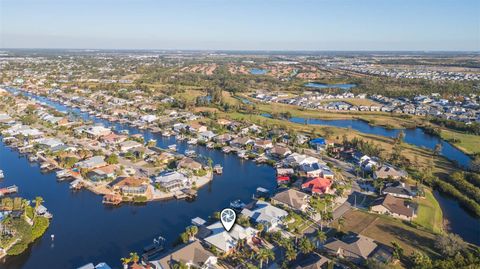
point(190, 95)
point(385, 230)
point(441, 165)
point(298, 223)
point(468, 143)
point(374, 118)
point(429, 214)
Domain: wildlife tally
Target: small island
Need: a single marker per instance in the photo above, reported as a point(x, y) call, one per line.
point(21, 222)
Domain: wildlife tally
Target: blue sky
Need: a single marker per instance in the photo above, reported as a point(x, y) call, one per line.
point(242, 24)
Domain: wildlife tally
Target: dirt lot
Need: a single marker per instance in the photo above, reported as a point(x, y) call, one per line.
point(386, 229)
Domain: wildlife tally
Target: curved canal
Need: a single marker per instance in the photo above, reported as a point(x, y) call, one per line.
point(86, 231)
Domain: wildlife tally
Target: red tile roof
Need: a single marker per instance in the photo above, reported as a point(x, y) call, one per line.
point(317, 185)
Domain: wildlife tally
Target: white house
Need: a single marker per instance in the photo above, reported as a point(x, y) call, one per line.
point(266, 214)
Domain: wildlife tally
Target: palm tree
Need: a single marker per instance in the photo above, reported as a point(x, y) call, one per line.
point(260, 228)
point(240, 244)
point(264, 254)
point(341, 223)
point(291, 254)
point(305, 245)
point(125, 262)
point(134, 257)
point(38, 203)
point(180, 265)
point(192, 231)
point(321, 237)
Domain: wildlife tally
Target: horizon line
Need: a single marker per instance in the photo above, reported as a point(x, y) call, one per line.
point(241, 50)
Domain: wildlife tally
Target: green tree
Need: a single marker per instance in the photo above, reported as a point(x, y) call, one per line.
point(420, 261)
point(340, 223)
point(134, 257)
point(264, 255)
point(320, 236)
point(397, 250)
point(38, 203)
point(450, 244)
point(305, 245)
point(112, 159)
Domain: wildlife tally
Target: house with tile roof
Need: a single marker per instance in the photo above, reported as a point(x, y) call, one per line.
point(291, 198)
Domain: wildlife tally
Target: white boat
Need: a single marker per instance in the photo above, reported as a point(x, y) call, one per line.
point(242, 154)
point(192, 141)
point(190, 153)
point(218, 169)
point(62, 174)
point(124, 132)
point(1, 174)
point(180, 137)
point(76, 184)
point(237, 204)
point(173, 147)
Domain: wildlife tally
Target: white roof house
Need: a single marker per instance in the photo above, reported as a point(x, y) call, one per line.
point(128, 145)
point(226, 241)
point(93, 162)
point(265, 213)
point(97, 131)
point(207, 135)
point(295, 159)
point(50, 142)
point(171, 180)
point(148, 118)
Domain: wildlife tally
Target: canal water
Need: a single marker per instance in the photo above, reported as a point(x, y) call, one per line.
point(317, 85)
point(257, 71)
point(87, 231)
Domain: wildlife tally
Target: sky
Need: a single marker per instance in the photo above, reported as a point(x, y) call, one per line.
point(338, 25)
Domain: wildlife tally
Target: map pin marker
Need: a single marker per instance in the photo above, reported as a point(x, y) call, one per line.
point(228, 217)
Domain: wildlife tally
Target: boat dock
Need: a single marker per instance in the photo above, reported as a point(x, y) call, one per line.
point(8, 190)
point(218, 169)
point(112, 199)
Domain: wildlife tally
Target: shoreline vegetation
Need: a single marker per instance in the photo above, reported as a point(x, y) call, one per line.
point(22, 226)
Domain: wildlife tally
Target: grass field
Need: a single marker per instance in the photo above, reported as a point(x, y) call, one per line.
point(423, 156)
point(469, 143)
point(375, 118)
point(385, 230)
point(190, 95)
point(429, 214)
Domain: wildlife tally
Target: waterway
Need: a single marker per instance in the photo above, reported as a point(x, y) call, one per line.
point(257, 71)
point(87, 231)
point(344, 86)
point(416, 136)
